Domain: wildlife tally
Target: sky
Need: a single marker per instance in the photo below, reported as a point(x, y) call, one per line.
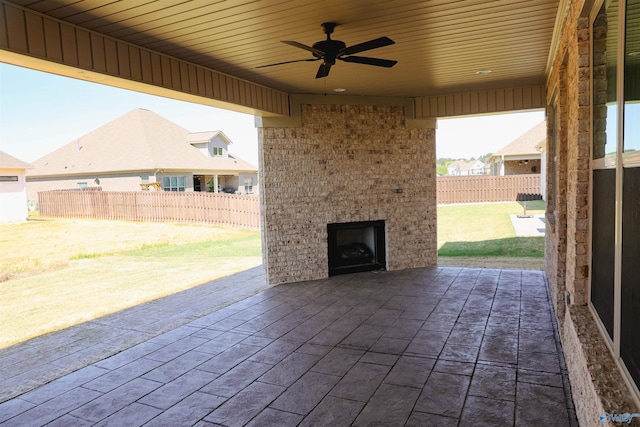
point(40, 112)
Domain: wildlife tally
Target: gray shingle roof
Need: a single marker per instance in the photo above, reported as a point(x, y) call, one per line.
point(526, 143)
point(140, 140)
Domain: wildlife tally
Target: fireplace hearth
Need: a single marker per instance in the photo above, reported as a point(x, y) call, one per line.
point(356, 246)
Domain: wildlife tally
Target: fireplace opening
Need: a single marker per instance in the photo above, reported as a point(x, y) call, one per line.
point(355, 247)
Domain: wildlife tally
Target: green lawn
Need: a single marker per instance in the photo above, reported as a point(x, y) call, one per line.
point(485, 230)
point(135, 263)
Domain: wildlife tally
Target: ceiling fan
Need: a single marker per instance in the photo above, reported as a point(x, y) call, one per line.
point(328, 51)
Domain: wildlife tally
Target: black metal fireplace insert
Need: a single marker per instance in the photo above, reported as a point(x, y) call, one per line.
point(356, 246)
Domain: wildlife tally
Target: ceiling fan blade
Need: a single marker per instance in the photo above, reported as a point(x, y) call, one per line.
point(370, 61)
point(289, 62)
point(371, 44)
point(323, 71)
point(304, 46)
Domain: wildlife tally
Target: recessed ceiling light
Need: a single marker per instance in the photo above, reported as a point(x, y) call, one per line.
point(481, 72)
point(339, 89)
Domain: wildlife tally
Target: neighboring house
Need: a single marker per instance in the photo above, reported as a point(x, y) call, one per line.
point(462, 167)
point(13, 189)
point(521, 155)
point(141, 148)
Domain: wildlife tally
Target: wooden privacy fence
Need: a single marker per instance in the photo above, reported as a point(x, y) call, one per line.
point(485, 188)
point(164, 206)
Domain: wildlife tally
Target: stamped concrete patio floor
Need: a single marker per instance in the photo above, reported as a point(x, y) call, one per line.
point(430, 346)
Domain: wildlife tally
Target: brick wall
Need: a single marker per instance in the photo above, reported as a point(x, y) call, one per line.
point(346, 163)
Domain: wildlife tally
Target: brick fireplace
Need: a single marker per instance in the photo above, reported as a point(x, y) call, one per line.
point(346, 164)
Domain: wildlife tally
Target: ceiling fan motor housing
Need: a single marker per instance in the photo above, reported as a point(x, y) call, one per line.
point(330, 48)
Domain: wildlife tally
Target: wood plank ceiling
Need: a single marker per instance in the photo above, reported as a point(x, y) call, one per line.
point(439, 44)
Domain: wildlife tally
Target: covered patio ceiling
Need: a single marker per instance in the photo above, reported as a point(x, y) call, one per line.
point(440, 45)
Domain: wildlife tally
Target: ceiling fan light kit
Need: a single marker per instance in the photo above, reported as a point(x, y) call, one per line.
point(329, 50)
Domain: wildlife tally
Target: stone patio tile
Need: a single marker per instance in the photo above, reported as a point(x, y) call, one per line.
point(177, 367)
point(187, 411)
point(540, 378)
point(52, 409)
point(472, 311)
point(220, 343)
point(226, 324)
point(61, 385)
point(544, 362)
point(333, 411)
point(532, 397)
point(379, 358)
point(403, 329)
point(443, 394)
point(410, 371)
point(360, 382)
point(236, 379)
point(503, 325)
point(69, 420)
point(171, 393)
point(13, 407)
point(428, 343)
point(305, 393)
point(363, 337)
point(349, 322)
point(439, 323)
point(427, 350)
point(499, 348)
point(466, 335)
point(176, 348)
point(390, 405)
point(255, 325)
point(122, 375)
point(329, 337)
point(314, 349)
point(384, 316)
point(505, 307)
point(481, 411)
point(402, 301)
point(290, 369)
point(229, 358)
point(276, 351)
point(128, 356)
point(537, 341)
point(115, 400)
point(422, 419)
point(174, 335)
point(494, 382)
point(273, 417)
point(338, 361)
point(309, 328)
point(241, 408)
point(282, 326)
point(459, 353)
point(256, 341)
point(390, 345)
point(134, 414)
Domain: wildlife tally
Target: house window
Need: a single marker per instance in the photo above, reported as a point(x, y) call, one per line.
point(217, 151)
point(82, 185)
point(248, 186)
point(173, 183)
point(144, 179)
point(614, 292)
point(11, 178)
